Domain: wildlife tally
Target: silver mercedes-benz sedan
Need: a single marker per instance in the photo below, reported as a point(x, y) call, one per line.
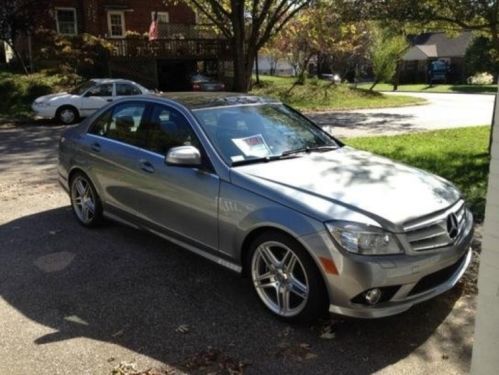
point(256, 187)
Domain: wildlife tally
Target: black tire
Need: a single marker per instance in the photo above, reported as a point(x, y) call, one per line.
point(67, 115)
point(94, 217)
point(317, 302)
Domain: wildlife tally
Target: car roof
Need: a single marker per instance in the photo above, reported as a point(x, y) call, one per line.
point(198, 100)
point(111, 80)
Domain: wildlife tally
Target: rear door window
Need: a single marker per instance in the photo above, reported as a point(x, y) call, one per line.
point(125, 89)
point(123, 123)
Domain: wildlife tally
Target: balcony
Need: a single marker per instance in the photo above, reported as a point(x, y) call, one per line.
point(170, 48)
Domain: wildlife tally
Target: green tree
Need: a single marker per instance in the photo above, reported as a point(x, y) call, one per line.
point(385, 50)
point(479, 57)
point(247, 25)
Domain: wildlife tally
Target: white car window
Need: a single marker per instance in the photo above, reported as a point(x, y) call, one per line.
point(125, 89)
point(101, 90)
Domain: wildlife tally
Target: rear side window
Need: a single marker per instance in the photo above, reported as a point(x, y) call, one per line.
point(125, 89)
point(168, 128)
point(123, 123)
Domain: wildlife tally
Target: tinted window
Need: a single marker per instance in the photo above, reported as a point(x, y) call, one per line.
point(101, 90)
point(167, 129)
point(122, 123)
point(124, 89)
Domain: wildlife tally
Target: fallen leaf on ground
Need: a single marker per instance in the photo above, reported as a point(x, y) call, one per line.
point(183, 328)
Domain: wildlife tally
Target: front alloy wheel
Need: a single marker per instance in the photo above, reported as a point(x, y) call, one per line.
point(84, 201)
point(286, 279)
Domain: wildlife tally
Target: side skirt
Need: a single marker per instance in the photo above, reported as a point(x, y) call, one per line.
point(175, 238)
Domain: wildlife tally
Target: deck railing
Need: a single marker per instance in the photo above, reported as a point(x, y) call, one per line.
point(169, 48)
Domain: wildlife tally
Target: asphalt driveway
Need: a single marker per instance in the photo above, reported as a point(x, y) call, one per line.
point(80, 301)
point(442, 111)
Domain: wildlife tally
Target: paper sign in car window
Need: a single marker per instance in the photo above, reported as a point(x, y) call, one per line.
point(252, 146)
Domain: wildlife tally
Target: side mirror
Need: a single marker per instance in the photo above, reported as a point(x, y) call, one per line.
point(183, 156)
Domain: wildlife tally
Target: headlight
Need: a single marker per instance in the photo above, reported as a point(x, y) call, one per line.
point(363, 239)
point(42, 104)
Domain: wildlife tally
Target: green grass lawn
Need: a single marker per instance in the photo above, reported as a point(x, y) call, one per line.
point(320, 95)
point(468, 89)
point(19, 90)
point(459, 155)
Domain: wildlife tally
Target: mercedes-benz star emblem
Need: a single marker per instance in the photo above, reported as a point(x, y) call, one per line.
point(452, 226)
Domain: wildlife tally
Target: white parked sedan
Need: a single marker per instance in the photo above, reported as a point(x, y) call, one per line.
point(69, 107)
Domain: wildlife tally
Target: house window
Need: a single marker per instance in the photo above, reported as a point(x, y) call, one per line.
point(163, 17)
point(116, 24)
point(66, 21)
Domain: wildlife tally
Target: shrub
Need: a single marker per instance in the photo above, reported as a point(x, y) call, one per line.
point(80, 54)
point(481, 79)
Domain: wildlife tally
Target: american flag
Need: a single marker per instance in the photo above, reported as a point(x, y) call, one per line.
point(153, 29)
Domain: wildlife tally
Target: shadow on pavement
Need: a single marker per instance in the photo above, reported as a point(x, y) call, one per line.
point(122, 286)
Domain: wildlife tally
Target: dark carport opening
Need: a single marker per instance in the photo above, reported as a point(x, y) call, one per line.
point(174, 75)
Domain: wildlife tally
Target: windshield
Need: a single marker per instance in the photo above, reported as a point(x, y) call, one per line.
point(201, 78)
point(80, 89)
point(259, 132)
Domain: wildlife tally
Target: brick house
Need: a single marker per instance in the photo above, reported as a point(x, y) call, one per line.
point(183, 46)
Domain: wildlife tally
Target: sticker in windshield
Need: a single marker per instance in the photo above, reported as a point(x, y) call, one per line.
point(252, 146)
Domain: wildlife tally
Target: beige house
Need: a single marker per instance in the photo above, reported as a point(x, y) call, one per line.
point(486, 346)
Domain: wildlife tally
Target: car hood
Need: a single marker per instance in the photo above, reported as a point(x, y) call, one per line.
point(360, 181)
point(51, 97)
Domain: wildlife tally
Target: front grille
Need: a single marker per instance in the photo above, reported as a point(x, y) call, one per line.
point(435, 279)
point(433, 232)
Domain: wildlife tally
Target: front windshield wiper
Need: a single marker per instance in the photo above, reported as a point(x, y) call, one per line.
point(264, 159)
point(284, 155)
point(309, 149)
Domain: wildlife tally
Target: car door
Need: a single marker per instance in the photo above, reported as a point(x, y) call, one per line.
point(179, 201)
point(96, 97)
point(113, 147)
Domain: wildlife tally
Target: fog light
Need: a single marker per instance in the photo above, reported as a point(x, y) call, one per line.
point(372, 296)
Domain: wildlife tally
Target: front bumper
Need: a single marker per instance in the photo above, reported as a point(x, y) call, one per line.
point(403, 300)
point(43, 112)
point(407, 279)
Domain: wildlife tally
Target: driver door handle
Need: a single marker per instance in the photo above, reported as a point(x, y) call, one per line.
point(146, 166)
point(109, 100)
point(95, 146)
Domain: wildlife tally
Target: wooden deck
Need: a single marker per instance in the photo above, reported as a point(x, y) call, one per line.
point(170, 48)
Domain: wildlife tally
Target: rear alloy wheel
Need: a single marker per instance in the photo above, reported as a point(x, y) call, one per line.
point(84, 201)
point(286, 279)
point(67, 115)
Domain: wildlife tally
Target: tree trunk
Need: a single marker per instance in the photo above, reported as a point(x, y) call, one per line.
point(18, 56)
point(373, 85)
point(257, 73)
point(241, 80)
point(396, 77)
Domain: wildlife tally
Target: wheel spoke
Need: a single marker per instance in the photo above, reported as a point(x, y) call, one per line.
point(290, 263)
point(80, 188)
point(283, 299)
point(271, 284)
point(85, 213)
point(268, 257)
point(298, 288)
point(266, 275)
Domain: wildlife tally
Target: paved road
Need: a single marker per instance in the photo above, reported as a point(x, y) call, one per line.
point(80, 301)
point(442, 111)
